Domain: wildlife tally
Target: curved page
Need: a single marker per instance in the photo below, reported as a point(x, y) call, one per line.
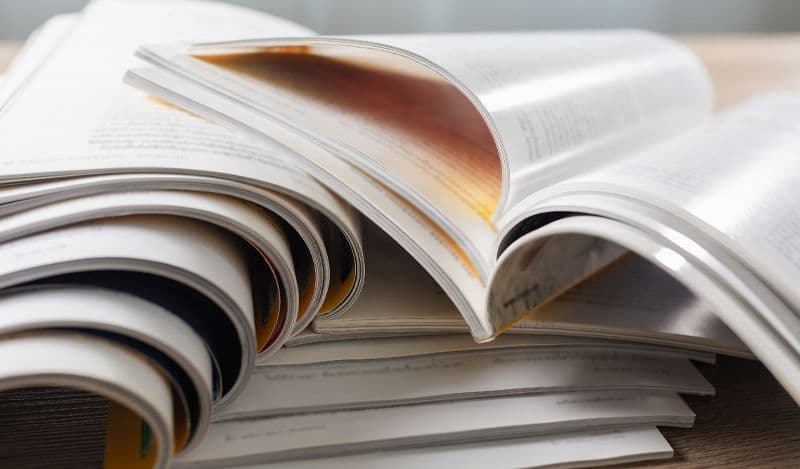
point(162, 246)
point(100, 310)
point(459, 130)
point(322, 221)
point(444, 260)
point(736, 296)
point(134, 133)
point(723, 196)
point(255, 227)
point(138, 426)
point(399, 299)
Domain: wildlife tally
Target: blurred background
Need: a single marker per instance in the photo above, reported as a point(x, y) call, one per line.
point(19, 17)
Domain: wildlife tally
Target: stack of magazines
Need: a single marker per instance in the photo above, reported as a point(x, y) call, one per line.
point(228, 241)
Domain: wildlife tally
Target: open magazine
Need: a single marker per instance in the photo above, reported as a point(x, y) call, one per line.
point(514, 166)
point(546, 183)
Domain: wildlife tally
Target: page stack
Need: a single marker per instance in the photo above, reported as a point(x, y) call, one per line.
point(228, 241)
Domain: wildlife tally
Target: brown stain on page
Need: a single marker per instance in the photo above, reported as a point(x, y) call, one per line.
point(413, 107)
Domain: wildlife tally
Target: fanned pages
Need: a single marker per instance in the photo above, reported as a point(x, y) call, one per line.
point(194, 195)
point(443, 124)
point(446, 121)
point(629, 151)
point(225, 252)
point(137, 137)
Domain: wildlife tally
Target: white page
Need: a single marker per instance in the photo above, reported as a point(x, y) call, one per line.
point(254, 226)
point(314, 348)
point(736, 177)
point(566, 449)
point(399, 298)
point(437, 253)
point(739, 297)
point(120, 130)
point(337, 217)
point(88, 308)
point(99, 366)
point(395, 281)
point(165, 246)
point(559, 95)
point(171, 242)
point(728, 189)
point(328, 434)
point(546, 99)
point(96, 89)
point(291, 389)
point(661, 310)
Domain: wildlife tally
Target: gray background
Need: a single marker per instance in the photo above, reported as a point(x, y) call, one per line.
point(19, 17)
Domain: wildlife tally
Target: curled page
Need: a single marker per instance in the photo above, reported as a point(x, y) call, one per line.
point(123, 141)
point(399, 299)
point(442, 127)
point(135, 401)
point(462, 126)
point(180, 354)
point(151, 256)
point(716, 209)
point(274, 277)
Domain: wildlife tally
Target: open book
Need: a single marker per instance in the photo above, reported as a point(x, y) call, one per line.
point(566, 183)
point(514, 166)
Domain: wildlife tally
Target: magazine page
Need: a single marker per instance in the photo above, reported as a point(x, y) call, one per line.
point(335, 433)
point(182, 355)
point(165, 247)
point(331, 280)
point(426, 242)
point(106, 105)
point(576, 449)
point(400, 299)
point(339, 385)
point(314, 350)
point(733, 231)
point(271, 263)
point(732, 291)
point(634, 299)
point(138, 397)
point(119, 130)
point(457, 129)
point(387, 127)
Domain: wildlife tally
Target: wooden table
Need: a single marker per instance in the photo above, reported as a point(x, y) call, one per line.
point(741, 66)
point(752, 421)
